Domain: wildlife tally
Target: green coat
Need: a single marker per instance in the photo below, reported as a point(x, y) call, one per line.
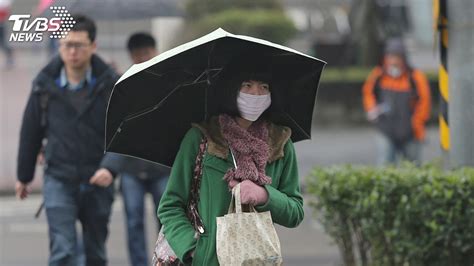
point(285, 201)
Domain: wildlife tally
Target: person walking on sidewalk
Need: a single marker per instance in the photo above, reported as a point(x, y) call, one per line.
point(397, 99)
point(243, 146)
point(137, 176)
point(67, 107)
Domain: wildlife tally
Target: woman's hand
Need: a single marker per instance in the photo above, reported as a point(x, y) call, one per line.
point(251, 193)
point(232, 184)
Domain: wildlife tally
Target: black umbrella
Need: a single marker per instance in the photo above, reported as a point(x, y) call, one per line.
point(154, 103)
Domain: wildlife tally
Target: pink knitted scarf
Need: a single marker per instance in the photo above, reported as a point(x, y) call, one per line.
point(250, 149)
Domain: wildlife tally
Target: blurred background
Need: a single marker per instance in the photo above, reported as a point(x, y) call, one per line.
point(347, 34)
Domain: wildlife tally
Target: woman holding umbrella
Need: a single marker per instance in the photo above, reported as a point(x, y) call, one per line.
point(254, 98)
point(243, 146)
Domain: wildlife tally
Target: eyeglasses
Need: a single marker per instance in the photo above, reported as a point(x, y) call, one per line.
point(76, 45)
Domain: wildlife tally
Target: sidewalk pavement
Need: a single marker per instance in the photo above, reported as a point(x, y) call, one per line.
point(24, 241)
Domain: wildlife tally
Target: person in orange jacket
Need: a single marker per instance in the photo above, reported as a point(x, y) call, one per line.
point(397, 101)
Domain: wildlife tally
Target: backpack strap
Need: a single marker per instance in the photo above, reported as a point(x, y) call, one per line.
point(413, 90)
point(43, 102)
point(376, 90)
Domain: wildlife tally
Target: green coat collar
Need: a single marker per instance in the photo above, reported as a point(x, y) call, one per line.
point(217, 146)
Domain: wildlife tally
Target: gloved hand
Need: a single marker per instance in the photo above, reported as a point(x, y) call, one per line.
point(251, 193)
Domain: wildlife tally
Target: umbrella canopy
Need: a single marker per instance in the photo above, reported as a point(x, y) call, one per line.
point(154, 103)
point(119, 9)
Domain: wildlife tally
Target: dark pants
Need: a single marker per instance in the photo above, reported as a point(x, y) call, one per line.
point(65, 203)
point(133, 192)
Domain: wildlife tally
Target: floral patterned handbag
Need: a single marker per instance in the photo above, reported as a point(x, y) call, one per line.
point(246, 238)
point(163, 254)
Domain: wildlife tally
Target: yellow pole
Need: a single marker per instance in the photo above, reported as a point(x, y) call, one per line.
point(441, 20)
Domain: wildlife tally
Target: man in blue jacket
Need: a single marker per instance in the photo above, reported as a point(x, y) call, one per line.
point(66, 113)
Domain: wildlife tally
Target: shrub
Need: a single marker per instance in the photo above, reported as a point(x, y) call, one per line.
point(397, 216)
point(270, 25)
point(199, 8)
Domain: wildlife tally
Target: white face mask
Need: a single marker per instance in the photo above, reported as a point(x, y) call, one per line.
point(394, 71)
point(252, 106)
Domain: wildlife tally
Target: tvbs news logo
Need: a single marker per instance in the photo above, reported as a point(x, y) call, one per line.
point(27, 29)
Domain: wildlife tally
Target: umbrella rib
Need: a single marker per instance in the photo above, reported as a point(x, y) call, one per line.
point(297, 125)
point(150, 109)
point(283, 54)
point(218, 70)
point(199, 77)
point(209, 55)
point(207, 78)
point(153, 73)
point(145, 111)
point(149, 71)
point(119, 129)
point(206, 72)
point(156, 106)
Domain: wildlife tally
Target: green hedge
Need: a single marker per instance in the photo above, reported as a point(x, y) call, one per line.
point(270, 25)
point(397, 216)
point(200, 8)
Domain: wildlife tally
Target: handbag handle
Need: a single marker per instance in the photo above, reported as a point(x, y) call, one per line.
point(236, 205)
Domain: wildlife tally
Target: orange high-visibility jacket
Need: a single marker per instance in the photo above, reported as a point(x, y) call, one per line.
point(421, 108)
